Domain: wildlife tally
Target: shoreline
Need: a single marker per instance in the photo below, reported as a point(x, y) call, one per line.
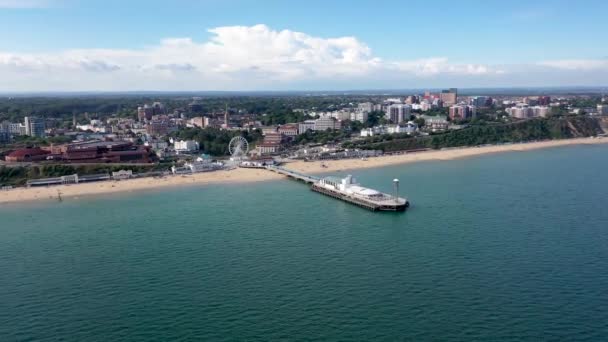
point(242, 175)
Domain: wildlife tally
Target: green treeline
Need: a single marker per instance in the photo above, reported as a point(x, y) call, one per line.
point(535, 129)
point(215, 141)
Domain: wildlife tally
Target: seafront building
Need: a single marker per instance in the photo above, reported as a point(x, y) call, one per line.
point(85, 152)
point(436, 123)
point(522, 111)
point(289, 130)
point(409, 128)
point(186, 146)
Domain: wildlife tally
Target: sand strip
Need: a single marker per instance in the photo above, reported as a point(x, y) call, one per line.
point(253, 175)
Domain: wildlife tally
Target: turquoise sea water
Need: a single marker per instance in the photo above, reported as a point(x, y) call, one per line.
point(506, 247)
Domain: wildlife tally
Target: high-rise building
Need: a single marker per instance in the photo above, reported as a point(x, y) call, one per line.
point(542, 111)
point(449, 97)
point(145, 113)
point(462, 112)
point(398, 113)
point(34, 127)
point(544, 100)
point(5, 135)
point(520, 112)
point(480, 101)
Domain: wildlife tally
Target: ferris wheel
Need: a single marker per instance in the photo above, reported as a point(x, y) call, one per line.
point(238, 147)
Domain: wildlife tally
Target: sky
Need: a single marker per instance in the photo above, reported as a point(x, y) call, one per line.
point(189, 45)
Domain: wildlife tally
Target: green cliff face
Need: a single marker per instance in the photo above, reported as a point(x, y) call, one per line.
point(529, 130)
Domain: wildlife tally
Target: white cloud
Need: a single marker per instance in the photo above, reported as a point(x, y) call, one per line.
point(240, 58)
point(438, 66)
point(578, 64)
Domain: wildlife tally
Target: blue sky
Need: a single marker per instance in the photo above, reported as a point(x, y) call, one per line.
point(130, 45)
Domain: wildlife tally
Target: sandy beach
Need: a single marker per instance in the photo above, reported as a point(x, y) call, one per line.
point(253, 175)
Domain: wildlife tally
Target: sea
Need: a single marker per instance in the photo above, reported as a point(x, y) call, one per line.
point(502, 247)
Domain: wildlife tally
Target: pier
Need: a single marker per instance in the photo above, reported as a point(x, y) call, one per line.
point(348, 190)
point(293, 174)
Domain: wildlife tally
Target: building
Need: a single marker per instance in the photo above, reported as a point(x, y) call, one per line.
point(5, 137)
point(480, 101)
point(530, 101)
point(268, 148)
point(34, 127)
point(360, 116)
point(520, 112)
point(449, 97)
point(271, 144)
point(305, 126)
point(602, 109)
point(122, 174)
point(290, 130)
point(211, 122)
point(398, 113)
point(365, 107)
point(544, 100)
point(408, 128)
point(412, 99)
point(542, 111)
point(197, 122)
point(462, 112)
point(368, 132)
point(159, 127)
point(27, 155)
point(157, 144)
point(145, 113)
point(16, 129)
point(274, 138)
point(339, 115)
point(326, 123)
point(186, 146)
point(436, 123)
point(100, 152)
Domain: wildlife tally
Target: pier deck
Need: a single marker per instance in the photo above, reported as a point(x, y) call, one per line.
point(308, 179)
point(379, 203)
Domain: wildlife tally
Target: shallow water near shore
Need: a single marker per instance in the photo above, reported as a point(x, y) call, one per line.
point(511, 246)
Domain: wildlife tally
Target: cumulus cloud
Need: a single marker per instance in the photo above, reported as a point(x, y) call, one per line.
point(234, 58)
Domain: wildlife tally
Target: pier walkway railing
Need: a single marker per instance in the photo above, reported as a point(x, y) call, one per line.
point(293, 174)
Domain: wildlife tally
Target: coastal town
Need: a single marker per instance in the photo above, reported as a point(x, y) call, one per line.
point(194, 135)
